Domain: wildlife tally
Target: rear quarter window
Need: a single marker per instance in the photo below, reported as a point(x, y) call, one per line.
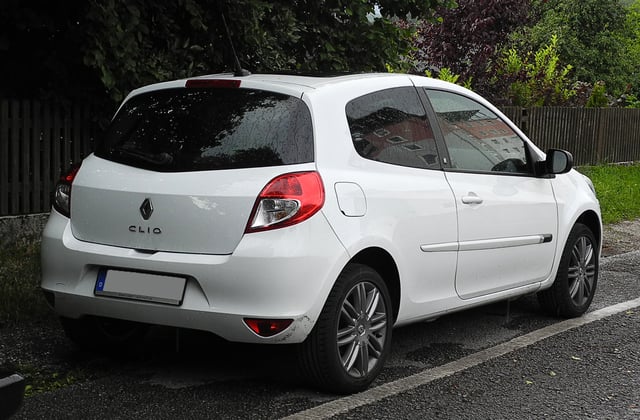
point(391, 126)
point(185, 129)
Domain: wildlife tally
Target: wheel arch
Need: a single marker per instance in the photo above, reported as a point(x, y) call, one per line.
point(590, 219)
point(381, 261)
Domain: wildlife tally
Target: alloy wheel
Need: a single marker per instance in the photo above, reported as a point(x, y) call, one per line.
point(582, 269)
point(361, 329)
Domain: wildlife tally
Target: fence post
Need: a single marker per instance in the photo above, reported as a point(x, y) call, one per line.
point(4, 157)
point(36, 148)
point(524, 120)
point(600, 142)
point(14, 148)
point(46, 137)
point(25, 152)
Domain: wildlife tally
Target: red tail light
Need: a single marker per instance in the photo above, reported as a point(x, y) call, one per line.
point(287, 200)
point(267, 327)
point(62, 193)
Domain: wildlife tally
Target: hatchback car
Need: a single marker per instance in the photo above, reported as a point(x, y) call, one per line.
point(319, 211)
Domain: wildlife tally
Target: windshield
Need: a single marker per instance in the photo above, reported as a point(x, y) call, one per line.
point(177, 130)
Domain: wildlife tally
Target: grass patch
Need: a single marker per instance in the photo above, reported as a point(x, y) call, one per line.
point(20, 294)
point(40, 380)
point(618, 189)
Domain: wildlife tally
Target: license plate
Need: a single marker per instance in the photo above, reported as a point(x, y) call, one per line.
point(141, 286)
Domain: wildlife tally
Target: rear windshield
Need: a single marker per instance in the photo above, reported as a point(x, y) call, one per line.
point(185, 129)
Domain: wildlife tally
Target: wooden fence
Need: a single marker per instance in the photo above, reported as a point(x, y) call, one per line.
point(592, 135)
point(38, 140)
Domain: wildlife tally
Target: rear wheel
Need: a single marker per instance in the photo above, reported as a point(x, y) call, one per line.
point(351, 340)
point(93, 333)
point(577, 278)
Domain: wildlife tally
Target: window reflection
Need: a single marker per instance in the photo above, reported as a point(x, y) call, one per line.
point(201, 129)
point(476, 139)
point(391, 126)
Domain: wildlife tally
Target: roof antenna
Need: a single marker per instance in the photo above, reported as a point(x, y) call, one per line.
point(239, 71)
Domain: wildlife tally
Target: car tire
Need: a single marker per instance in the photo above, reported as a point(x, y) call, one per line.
point(93, 333)
point(351, 340)
point(577, 277)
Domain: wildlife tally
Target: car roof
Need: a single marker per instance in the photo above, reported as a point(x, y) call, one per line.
point(294, 84)
point(314, 82)
point(308, 81)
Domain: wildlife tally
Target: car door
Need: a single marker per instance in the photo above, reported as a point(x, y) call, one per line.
point(406, 198)
point(507, 217)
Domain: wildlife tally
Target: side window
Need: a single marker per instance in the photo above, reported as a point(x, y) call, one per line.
point(391, 126)
point(477, 139)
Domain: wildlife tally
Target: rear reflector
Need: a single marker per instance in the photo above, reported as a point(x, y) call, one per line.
point(212, 83)
point(267, 327)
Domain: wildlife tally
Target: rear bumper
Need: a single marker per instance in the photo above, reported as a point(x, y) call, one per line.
point(285, 273)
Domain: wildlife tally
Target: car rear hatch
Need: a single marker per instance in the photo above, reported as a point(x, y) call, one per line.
point(180, 169)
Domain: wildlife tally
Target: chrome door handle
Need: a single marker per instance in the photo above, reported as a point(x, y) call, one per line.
point(471, 199)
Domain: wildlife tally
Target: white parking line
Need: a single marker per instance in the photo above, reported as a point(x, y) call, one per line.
point(343, 405)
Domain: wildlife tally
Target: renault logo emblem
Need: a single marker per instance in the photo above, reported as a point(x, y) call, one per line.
point(146, 209)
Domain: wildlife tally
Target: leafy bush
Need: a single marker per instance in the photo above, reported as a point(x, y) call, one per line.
point(536, 79)
point(598, 98)
point(447, 75)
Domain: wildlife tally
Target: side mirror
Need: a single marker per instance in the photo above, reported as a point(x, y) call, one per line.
point(557, 162)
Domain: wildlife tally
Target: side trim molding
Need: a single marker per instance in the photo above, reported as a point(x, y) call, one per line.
point(489, 243)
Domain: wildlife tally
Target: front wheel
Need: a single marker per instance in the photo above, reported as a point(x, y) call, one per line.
point(351, 340)
point(577, 277)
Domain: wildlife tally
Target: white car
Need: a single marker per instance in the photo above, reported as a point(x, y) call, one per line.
point(311, 210)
